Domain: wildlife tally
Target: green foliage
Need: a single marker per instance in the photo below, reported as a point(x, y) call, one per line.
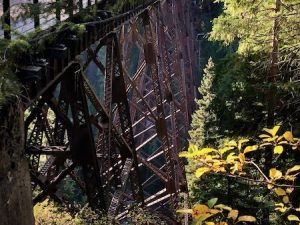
point(248, 187)
point(251, 23)
point(239, 102)
point(78, 29)
point(204, 116)
point(231, 103)
point(122, 4)
point(71, 191)
point(46, 213)
point(88, 216)
point(9, 86)
point(15, 50)
point(140, 216)
point(241, 90)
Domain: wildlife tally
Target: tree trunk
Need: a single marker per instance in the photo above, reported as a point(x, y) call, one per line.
point(274, 70)
point(271, 94)
point(15, 188)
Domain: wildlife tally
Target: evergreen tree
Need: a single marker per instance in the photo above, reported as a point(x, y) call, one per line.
point(204, 119)
point(269, 28)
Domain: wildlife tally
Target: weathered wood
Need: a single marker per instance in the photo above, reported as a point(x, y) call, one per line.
point(15, 188)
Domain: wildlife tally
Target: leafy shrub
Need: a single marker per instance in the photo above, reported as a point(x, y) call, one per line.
point(244, 163)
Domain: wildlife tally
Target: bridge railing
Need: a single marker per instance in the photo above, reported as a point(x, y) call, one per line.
point(20, 17)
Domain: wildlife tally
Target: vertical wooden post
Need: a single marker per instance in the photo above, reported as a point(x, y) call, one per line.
point(80, 5)
point(6, 19)
point(70, 9)
point(36, 17)
point(57, 11)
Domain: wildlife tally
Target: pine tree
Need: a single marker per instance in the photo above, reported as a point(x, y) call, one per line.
point(269, 29)
point(204, 119)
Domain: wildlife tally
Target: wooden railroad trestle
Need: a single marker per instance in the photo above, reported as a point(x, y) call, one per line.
point(110, 109)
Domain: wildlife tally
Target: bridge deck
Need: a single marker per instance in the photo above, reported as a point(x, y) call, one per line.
point(26, 25)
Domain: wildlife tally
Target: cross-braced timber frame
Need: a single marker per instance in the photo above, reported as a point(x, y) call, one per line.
point(111, 110)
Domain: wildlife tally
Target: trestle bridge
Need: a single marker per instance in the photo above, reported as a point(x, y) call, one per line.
point(110, 108)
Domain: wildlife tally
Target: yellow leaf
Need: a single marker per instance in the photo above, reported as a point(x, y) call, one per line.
point(289, 190)
point(288, 136)
point(200, 171)
point(278, 149)
point(297, 209)
point(192, 147)
point(272, 131)
point(242, 141)
point(250, 148)
point(293, 218)
point(232, 143)
point(290, 177)
point(185, 154)
point(201, 212)
point(209, 223)
point(286, 199)
point(231, 157)
point(271, 139)
point(242, 157)
point(280, 191)
point(279, 204)
point(247, 219)
point(226, 149)
point(293, 169)
point(214, 211)
point(275, 174)
point(234, 168)
point(264, 136)
point(281, 209)
point(205, 151)
point(221, 206)
point(233, 214)
point(200, 208)
point(265, 144)
point(270, 186)
point(184, 211)
point(202, 217)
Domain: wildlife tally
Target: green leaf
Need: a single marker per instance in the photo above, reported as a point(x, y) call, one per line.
point(211, 202)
